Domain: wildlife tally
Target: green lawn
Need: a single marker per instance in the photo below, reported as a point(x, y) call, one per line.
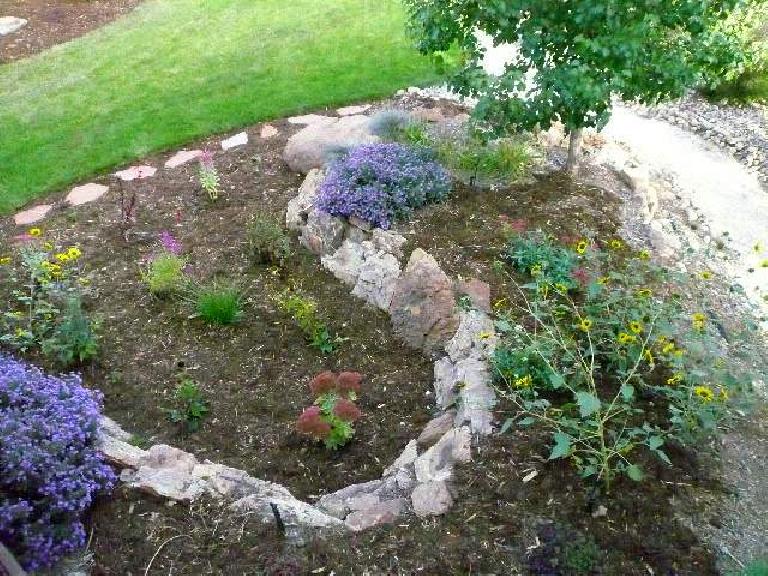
point(174, 70)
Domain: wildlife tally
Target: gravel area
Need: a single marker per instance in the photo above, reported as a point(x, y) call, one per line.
point(742, 131)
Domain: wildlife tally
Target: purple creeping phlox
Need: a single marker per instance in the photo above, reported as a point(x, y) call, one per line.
point(382, 183)
point(50, 470)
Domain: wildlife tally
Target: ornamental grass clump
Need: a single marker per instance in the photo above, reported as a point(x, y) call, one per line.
point(219, 303)
point(330, 418)
point(614, 366)
point(50, 470)
point(383, 183)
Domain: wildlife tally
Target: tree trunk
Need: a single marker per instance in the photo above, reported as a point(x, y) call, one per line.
point(574, 153)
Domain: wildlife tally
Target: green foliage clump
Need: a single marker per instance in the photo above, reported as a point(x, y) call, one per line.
point(581, 557)
point(218, 304)
point(164, 274)
point(613, 364)
point(390, 124)
point(745, 80)
point(74, 338)
point(267, 241)
point(190, 404)
point(304, 312)
point(540, 256)
point(505, 160)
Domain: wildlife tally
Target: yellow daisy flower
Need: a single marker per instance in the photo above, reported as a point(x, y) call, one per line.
point(625, 338)
point(705, 393)
point(644, 255)
point(34, 232)
point(536, 269)
point(5, 260)
point(585, 324)
point(581, 247)
point(524, 382)
point(636, 327)
point(675, 379)
point(603, 280)
point(62, 257)
point(705, 275)
point(617, 244)
point(74, 252)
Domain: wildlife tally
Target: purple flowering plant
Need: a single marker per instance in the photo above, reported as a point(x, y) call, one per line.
point(50, 470)
point(383, 183)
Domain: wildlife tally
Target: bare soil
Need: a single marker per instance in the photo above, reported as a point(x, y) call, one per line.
point(52, 22)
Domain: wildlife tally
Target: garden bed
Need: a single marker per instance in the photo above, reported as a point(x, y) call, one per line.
point(254, 376)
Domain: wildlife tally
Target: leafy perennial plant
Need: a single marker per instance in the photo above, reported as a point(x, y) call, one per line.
point(598, 350)
point(331, 417)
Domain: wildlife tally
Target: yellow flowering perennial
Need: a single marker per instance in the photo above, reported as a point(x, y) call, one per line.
point(675, 379)
point(699, 321)
point(617, 244)
point(624, 338)
point(705, 393)
point(524, 382)
point(34, 232)
point(581, 247)
point(585, 325)
point(636, 327)
point(74, 253)
point(644, 255)
point(5, 260)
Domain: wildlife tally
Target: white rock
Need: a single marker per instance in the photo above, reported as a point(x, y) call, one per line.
point(10, 24)
point(436, 464)
point(299, 207)
point(431, 499)
point(376, 280)
point(346, 262)
point(240, 139)
point(311, 119)
point(268, 131)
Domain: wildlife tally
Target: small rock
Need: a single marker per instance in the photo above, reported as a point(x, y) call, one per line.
point(600, 512)
point(377, 279)
point(32, 215)
point(479, 293)
point(10, 24)
point(268, 131)
point(86, 193)
point(346, 262)
point(182, 157)
point(311, 119)
point(436, 429)
point(353, 110)
point(136, 173)
point(240, 139)
point(436, 464)
point(323, 233)
point(431, 499)
point(383, 513)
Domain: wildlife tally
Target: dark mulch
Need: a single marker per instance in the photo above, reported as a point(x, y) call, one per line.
point(254, 376)
point(52, 22)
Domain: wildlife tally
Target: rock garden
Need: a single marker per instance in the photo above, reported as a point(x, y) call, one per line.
point(379, 339)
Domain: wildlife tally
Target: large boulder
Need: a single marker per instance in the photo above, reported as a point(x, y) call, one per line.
point(310, 148)
point(423, 310)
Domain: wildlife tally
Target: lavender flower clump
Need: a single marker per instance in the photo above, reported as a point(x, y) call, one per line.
point(382, 183)
point(50, 471)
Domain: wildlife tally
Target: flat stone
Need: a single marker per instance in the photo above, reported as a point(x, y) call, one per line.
point(436, 429)
point(474, 338)
point(32, 215)
point(383, 513)
point(10, 24)
point(310, 119)
point(337, 503)
point(268, 131)
point(423, 310)
point(476, 395)
point(86, 193)
point(182, 157)
point(353, 110)
point(376, 280)
point(136, 173)
point(431, 499)
point(240, 139)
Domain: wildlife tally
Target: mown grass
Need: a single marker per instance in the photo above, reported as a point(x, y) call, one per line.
point(173, 71)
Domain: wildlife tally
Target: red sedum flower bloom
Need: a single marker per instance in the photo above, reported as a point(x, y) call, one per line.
point(323, 383)
point(349, 382)
point(347, 410)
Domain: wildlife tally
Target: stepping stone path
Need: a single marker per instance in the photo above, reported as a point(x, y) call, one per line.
point(10, 24)
point(136, 173)
point(353, 110)
point(235, 141)
point(182, 157)
point(32, 215)
point(86, 193)
point(268, 132)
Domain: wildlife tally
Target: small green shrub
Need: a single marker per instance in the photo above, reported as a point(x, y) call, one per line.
point(581, 557)
point(164, 274)
point(303, 310)
point(218, 304)
point(74, 337)
point(538, 255)
point(267, 241)
point(190, 405)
